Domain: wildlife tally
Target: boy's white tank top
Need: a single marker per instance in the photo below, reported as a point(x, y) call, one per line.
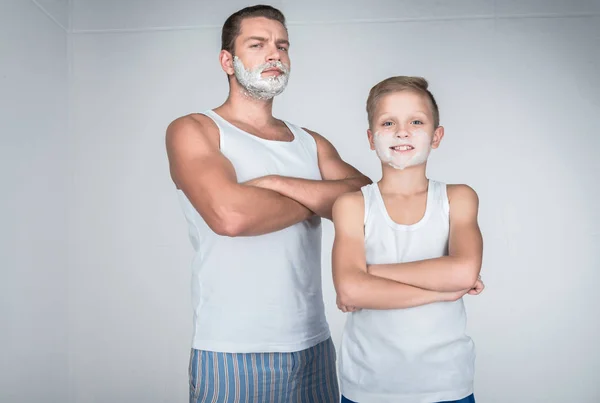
point(259, 293)
point(414, 355)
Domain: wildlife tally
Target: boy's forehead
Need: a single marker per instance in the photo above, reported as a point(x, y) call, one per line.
point(403, 101)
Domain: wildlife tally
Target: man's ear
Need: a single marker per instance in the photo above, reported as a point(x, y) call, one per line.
point(226, 60)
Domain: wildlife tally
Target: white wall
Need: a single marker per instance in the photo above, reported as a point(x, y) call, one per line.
point(34, 173)
point(518, 89)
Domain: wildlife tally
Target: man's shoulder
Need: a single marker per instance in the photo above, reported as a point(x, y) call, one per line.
point(189, 126)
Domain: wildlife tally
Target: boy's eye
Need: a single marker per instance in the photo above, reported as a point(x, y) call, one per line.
point(387, 123)
point(417, 122)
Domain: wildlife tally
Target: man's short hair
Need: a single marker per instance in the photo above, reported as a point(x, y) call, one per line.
point(401, 83)
point(231, 27)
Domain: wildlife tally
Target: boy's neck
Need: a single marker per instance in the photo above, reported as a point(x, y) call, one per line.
point(407, 182)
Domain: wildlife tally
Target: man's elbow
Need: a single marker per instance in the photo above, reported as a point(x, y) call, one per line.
point(226, 223)
point(362, 181)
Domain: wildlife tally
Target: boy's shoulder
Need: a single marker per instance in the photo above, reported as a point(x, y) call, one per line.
point(462, 200)
point(460, 191)
point(350, 198)
point(348, 203)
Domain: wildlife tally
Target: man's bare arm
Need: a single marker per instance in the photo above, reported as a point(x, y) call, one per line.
point(338, 176)
point(460, 269)
point(209, 181)
point(354, 286)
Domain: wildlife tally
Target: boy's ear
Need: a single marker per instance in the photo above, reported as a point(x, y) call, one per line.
point(371, 139)
point(438, 134)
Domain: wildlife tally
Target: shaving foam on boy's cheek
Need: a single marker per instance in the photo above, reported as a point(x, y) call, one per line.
point(419, 139)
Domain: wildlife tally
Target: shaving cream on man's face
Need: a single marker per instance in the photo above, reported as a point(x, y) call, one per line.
point(257, 86)
point(401, 152)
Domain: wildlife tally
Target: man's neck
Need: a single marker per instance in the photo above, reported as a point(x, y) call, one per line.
point(406, 182)
point(243, 108)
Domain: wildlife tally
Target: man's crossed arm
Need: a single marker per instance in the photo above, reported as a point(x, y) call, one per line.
point(208, 179)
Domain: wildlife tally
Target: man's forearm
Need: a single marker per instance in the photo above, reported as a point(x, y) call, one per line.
point(445, 274)
point(264, 211)
point(316, 195)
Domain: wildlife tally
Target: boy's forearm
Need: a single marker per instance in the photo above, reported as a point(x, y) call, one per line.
point(317, 195)
point(443, 274)
point(366, 291)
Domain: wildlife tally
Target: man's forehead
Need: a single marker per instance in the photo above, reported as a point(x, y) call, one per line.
point(262, 27)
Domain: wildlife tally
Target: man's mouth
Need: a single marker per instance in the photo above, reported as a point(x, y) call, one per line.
point(404, 147)
point(273, 70)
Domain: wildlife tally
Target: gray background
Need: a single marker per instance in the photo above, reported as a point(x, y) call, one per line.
point(95, 300)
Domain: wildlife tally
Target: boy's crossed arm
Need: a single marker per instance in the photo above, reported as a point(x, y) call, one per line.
point(355, 286)
point(459, 270)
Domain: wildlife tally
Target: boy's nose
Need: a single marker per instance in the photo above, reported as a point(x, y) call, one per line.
point(402, 134)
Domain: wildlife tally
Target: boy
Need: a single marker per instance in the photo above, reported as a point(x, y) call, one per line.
point(406, 250)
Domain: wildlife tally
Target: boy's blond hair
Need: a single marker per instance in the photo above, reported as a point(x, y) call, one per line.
point(401, 83)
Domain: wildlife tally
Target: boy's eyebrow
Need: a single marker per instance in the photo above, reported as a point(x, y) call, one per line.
point(385, 115)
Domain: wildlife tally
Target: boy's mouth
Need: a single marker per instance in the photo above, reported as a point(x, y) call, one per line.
point(404, 147)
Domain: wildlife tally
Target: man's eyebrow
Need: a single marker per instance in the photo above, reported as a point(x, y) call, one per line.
point(256, 38)
point(261, 39)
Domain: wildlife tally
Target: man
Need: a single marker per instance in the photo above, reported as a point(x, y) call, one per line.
point(253, 189)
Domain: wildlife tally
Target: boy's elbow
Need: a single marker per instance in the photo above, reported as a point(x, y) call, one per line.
point(349, 293)
point(468, 273)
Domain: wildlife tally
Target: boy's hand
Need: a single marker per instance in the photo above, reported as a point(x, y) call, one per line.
point(345, 308)
point(456, 295)
point(477, 288)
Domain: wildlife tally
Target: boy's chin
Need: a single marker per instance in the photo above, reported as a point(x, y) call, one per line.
point(402, 167)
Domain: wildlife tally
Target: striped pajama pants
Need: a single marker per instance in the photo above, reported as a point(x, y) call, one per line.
point(307, 376)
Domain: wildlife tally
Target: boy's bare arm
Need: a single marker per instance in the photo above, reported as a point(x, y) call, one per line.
point(460, 269)
point(209, 181)
point(355, 287)
point(318, 195)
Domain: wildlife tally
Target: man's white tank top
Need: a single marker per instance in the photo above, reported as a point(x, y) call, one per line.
point(414, 355)
point(259, 293)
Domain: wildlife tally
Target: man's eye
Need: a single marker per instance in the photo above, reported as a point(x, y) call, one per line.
point(256, 45)
point(283, 48)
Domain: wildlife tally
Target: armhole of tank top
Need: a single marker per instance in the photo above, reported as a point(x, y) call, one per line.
point(303, 136)
point(365, 190)
point(444, 198)
point(220, 130)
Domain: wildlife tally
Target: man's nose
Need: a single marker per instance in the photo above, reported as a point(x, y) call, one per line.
point(274, 54)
